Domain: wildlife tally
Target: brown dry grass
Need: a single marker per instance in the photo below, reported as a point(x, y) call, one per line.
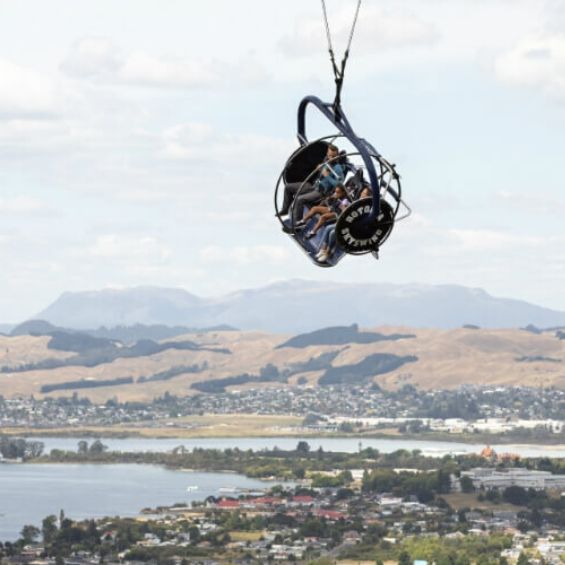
point(458, 500)
point(216, 425)
point(246, 536)
point(446, 359)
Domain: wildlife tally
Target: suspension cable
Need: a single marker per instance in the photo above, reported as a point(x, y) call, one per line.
point(339, 72)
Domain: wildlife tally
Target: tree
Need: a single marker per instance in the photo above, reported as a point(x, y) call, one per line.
point(303, 447)
point(49, 529)
point(34, 449)
point(516, 495)
point(269, 372)
point(300, 472)
point(29, 534)
point(467, 484)
point(97, 447)
point(82, 448)
point(194, 534)
point(404, 558)
point(523, 559)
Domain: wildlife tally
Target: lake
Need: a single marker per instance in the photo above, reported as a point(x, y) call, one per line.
point(347, 444)
point(29, 492)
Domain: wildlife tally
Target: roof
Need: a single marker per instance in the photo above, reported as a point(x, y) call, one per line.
point(226, 503)
point(330, 514)
point(303, 499)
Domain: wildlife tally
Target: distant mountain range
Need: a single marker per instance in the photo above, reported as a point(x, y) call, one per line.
point(297, 306)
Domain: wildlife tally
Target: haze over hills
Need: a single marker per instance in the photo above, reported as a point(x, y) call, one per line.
point(298, 306)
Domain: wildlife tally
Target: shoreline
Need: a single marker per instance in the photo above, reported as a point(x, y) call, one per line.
point(185, 434)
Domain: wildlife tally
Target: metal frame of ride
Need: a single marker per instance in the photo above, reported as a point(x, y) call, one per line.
point(365, 225)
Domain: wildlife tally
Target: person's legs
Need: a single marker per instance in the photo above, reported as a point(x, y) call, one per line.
point(332, 241)
point(301, 200)
point(290, 191)
point(324, 240)
point(328, 246)
point(315, 210)
point(322, 220)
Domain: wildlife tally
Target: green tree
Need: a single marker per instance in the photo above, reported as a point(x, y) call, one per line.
point(29, 534)
point(49, 529)
point(467, 484)
point(404, 558)
point(194, 534)
point(303, 447)
point(516, 495)
point(523, 559)
point(97, 447)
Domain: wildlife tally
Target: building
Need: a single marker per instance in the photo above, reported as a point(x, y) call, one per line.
point(489, 478)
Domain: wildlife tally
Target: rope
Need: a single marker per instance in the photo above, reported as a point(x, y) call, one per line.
point(353, 25)
point(339, 73)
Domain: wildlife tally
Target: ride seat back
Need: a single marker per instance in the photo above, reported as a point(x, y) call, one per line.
point(303, 162)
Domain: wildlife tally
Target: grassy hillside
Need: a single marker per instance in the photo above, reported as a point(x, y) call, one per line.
point(424, 357)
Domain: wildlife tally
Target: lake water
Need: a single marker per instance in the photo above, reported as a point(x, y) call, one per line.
point(29, 492)
point(348, 445)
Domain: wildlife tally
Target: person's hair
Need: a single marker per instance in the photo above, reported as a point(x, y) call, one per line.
point(333, 148)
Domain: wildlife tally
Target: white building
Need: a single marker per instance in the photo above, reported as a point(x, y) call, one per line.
point(489, 478)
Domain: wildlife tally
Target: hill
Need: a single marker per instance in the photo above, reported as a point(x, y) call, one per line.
point(62, 364)
point(300, 306)
point(125, 334)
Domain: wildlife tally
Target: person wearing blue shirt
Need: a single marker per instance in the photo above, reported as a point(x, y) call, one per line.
point(330, 174)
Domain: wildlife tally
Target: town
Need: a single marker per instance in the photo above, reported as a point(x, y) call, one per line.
point(516, 412)
point(484, 509)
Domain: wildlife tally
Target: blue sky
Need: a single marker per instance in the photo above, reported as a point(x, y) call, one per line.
point(140, 141)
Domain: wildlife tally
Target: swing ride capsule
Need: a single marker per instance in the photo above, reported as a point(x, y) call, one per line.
point(360, 214)
point(372, 186)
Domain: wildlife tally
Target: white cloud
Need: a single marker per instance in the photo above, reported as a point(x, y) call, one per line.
point(114, 246)
point(21, 205)
point(376, 28)
point(25, 92)
point(245, 255)
point(492, 240)
point(101, 60)
point(202, 142)
point(92, 57)
point(144, 69)
point(537, 62)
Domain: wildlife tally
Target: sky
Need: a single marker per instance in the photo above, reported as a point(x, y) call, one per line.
point(140, 141)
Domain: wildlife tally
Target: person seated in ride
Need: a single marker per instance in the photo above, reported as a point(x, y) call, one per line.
point(330, 173)
point(328, 244)
point(367, 192)
point(328, 211)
